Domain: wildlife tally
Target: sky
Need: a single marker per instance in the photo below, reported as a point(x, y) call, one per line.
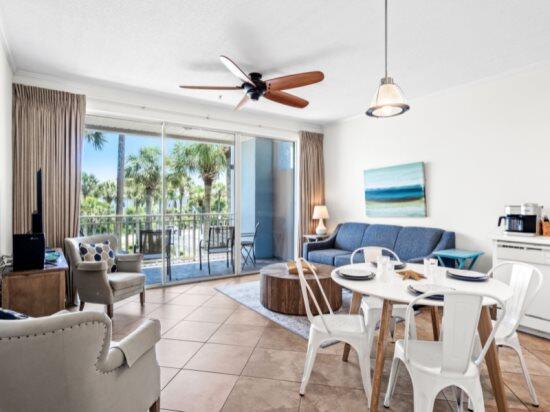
point(103, 163)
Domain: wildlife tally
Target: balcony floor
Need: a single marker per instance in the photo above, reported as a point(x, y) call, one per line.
point(191, 270)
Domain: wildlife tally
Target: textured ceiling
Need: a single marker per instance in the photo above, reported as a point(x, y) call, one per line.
point(434, 44)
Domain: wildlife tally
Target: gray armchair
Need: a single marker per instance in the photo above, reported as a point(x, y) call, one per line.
point(67, 362)
point(95, 285)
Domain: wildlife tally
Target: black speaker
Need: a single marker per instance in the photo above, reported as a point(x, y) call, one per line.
point(28, 251)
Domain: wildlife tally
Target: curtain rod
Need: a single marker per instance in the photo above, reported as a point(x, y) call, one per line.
point(142, 107)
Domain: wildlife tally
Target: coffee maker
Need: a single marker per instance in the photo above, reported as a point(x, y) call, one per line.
point(522, 220)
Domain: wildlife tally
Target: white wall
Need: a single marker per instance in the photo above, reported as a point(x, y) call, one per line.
point(5, 154)
point(484, 145)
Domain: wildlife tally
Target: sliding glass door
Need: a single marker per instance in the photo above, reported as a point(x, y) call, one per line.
point(199, 220)
point(196, 203)
point(122, 187)
point(266, 202)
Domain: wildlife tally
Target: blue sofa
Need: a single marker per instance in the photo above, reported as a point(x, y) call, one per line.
point(412, 244)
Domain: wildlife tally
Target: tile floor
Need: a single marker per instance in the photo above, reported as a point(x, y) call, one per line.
point(218, 355)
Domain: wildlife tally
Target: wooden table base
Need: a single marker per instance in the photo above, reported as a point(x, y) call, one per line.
point(485, 327)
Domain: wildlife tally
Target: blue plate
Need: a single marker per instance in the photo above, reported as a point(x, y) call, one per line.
point(467, 276)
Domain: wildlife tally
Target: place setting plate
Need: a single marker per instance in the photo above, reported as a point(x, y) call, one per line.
point(355, 274)
point(396, 266)
point(467, 275)
point(420, 288)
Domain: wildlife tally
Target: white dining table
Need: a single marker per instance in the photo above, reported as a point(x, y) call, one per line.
point(392, 289)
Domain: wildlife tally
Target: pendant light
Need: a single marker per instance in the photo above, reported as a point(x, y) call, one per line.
point(388, 100)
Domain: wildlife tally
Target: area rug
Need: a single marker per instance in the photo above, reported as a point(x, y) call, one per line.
point(248, 294)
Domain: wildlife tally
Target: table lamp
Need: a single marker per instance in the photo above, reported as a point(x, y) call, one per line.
point(320, 212)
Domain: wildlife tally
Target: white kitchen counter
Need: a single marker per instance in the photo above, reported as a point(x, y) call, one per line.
point(533, 240)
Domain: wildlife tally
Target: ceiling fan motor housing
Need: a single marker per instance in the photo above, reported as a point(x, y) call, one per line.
point(257, 90)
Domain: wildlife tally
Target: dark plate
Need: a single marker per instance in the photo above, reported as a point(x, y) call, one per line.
point(399, 266)
point(411, 289)
point(366, 277)
point(467, 278)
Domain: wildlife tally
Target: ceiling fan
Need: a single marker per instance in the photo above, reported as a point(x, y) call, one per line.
point(271, 89)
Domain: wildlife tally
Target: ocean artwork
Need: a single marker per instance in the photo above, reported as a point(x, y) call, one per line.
point(396, 191)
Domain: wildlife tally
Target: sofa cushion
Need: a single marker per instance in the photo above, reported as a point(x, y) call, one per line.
point(325, 256)
point(349, 236)
point(381, 235)
point(123, 280)
point(416, 242)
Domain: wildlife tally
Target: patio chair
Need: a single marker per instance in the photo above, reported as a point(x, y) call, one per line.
point(150, 246)
point(221, 239)
point(248, 246)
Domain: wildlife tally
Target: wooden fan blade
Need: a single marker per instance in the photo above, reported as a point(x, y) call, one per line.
point(236, 70)
point(286, 98)
point(212, 87)
point(294, 80)
point(243, 101)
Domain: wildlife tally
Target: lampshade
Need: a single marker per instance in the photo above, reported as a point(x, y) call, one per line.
point(320, 212)
point(388, 100)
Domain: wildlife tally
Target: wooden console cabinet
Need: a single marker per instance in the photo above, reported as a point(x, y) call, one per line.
point(39, 292)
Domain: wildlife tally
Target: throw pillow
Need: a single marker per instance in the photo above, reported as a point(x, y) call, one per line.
point(97, 252)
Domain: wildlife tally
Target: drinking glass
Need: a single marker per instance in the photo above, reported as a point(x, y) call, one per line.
point(430, 268)
point(382, 266)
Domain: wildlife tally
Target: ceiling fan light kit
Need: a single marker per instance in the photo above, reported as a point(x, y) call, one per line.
point(271, 89)
point(388, 100)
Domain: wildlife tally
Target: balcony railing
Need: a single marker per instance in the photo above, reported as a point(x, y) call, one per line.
point(187, 229)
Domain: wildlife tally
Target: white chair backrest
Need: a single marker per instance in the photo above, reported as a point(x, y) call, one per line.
point(461, 312)
point(307, 292)
point(525, 281)
point(371, 253)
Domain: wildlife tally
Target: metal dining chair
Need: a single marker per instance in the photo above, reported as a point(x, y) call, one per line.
point(435, 365)
point(221, 239)
point(371, 305)
point(150, 245)
point(525, 281)
point(329, 327)
point(248, 246)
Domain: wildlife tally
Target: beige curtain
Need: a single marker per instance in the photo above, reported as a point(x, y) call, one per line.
point(48, 126)
point(312, 180)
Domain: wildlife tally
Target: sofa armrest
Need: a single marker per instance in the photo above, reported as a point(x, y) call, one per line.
point(139, 341)
point(129, 263)
point(419, 259)
point(328, 243)
point(447, 241)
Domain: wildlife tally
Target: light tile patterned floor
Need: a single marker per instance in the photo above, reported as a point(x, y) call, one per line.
point(218, 355)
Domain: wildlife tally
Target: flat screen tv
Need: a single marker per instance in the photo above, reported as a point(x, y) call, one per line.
point(37, 225)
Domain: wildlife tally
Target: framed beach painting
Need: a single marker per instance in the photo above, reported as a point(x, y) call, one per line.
point(396, 191)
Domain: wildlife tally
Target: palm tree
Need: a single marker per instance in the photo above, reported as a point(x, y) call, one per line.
point(178, 177)
point(89, 184)
point(145, 171)
point(107, 191)
point(96, 139)
point(119, 208)
point(228, 168)
point(208, 160)
point(219, 195)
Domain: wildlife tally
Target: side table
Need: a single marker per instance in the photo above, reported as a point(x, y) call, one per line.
point(460, 257)
point(313, 237)
point(37, 292)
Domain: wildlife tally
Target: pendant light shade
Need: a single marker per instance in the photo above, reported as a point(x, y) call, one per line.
point(388, 100)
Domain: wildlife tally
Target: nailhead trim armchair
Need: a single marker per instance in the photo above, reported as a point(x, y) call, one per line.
point(67, 362)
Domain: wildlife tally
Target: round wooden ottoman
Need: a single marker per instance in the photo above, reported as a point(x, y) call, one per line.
point(281, 292)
